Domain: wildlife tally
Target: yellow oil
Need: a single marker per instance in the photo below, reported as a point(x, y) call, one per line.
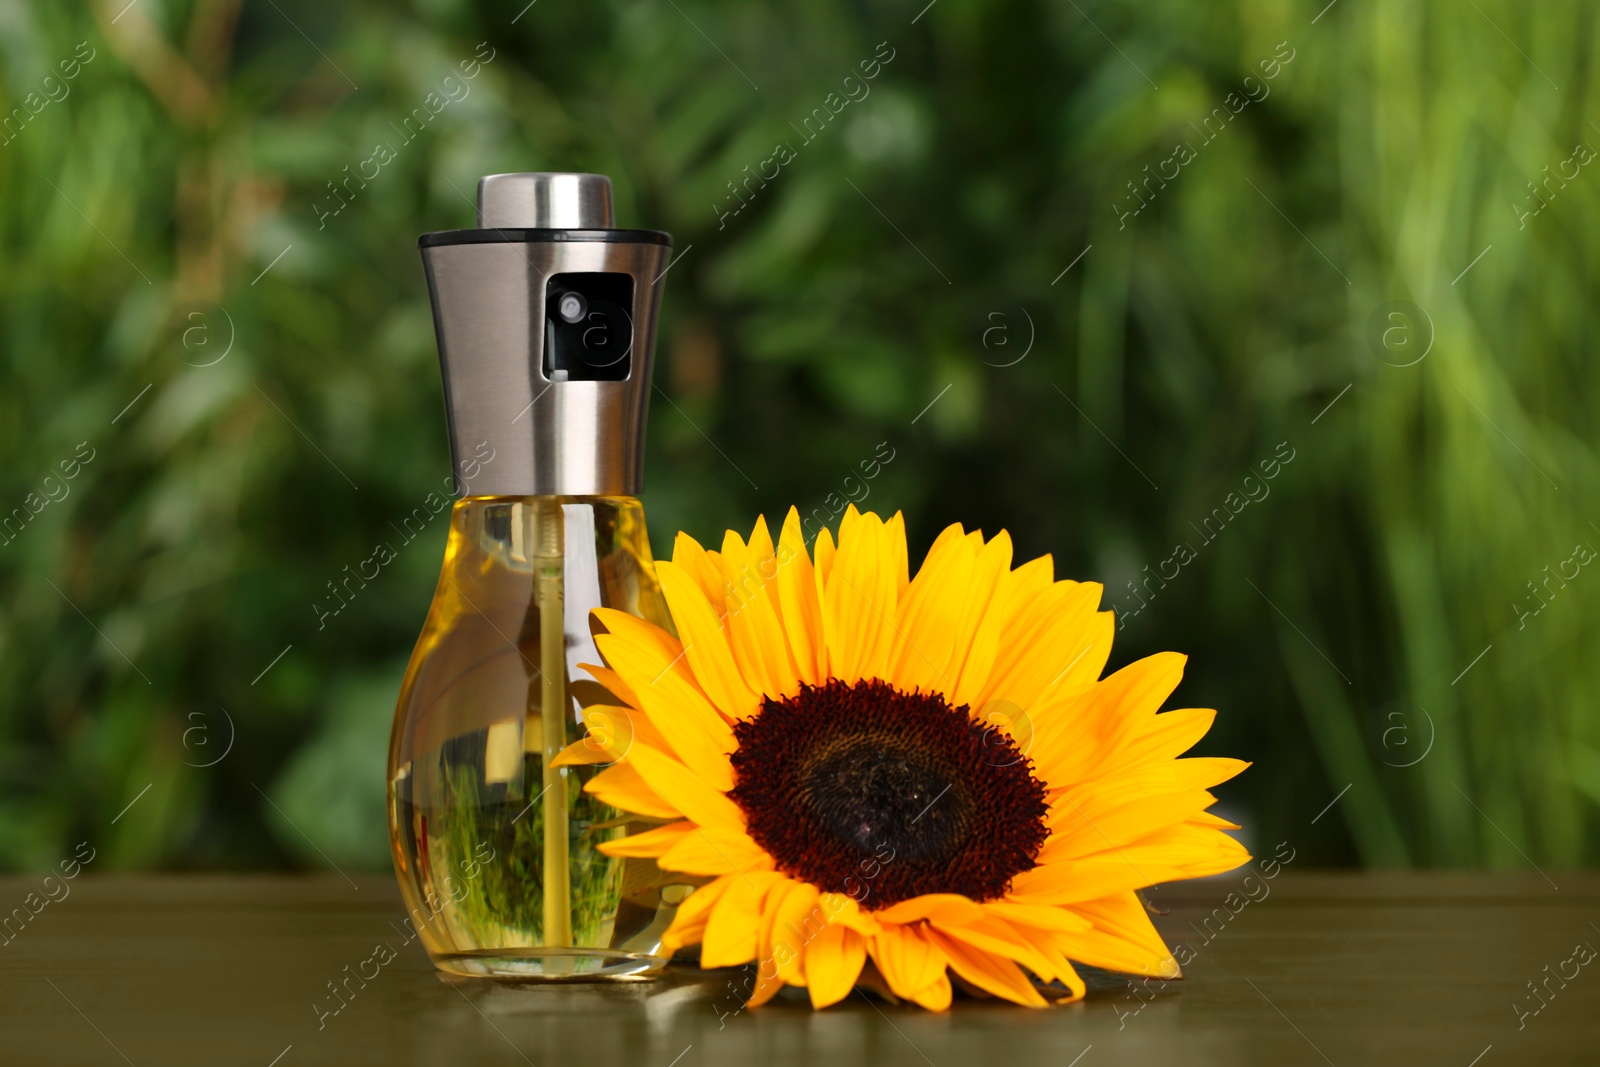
point(495, 848)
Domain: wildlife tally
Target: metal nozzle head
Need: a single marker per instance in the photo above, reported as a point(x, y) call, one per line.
point(545, 317)
point(545, 201)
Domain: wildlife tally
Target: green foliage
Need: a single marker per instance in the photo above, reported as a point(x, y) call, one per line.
point(504, 897)
point(1330, 621)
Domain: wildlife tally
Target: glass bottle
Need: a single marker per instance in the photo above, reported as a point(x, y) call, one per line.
point(545, 319)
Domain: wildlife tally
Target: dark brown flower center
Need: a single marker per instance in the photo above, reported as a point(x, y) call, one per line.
point(881, 795)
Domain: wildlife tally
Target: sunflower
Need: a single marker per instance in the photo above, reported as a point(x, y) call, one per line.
point(928, 772)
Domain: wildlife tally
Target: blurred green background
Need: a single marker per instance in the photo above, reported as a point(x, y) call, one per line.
point(1267, 208)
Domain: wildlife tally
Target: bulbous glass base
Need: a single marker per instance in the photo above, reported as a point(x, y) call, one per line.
point(551, 964)
point(495, 847)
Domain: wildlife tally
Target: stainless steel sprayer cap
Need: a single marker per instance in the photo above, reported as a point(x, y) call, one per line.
point(545, 201)
point(545, 317)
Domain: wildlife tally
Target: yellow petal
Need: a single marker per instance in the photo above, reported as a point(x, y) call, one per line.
point(936, 996)
point(941, 544)
point(1134, 782)
point(1053, 646)
point(1022, 587)
point(621, 786)
point(1171, 735)
point(843, 910)
point(1122, 938)
point(1171, 854)
point(1086, 740)
point(1038, 916)
point(677, 707)
point(763, 555)
point(610, 731)
point(847, 522)
point(754, 630)
point(689, 924)
point(978, 639)
point(703, 567)
point(767, 986)
point(908, 960)
point(859, 604)
point(1206, 818)
point(924, 655)
point(833, 963)
point(949, 624)
point(797, 600)
point(822, 553)
point(1076, 834)
point(990, 973)
point(685, 789)
point(610, 728)
point(649, 842)
point(1063, 970)
point(731, 932)
point(938, 907)
point(582, 753)
point(612, 683)
point(641, 632)
point(895, 533)
point(705, 644)
point(714, 850)
point(619, 728)
point(793, 921)
point(1129, 805)
point(996, 936)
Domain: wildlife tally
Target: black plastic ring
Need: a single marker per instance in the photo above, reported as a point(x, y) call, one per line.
point(519, 236)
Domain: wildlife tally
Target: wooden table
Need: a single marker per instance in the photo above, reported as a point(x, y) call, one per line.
point(1344, 969)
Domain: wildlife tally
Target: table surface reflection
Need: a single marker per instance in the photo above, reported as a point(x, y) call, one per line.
point(1341, 969)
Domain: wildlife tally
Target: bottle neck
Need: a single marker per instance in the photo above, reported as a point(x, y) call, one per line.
point(509, 535)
